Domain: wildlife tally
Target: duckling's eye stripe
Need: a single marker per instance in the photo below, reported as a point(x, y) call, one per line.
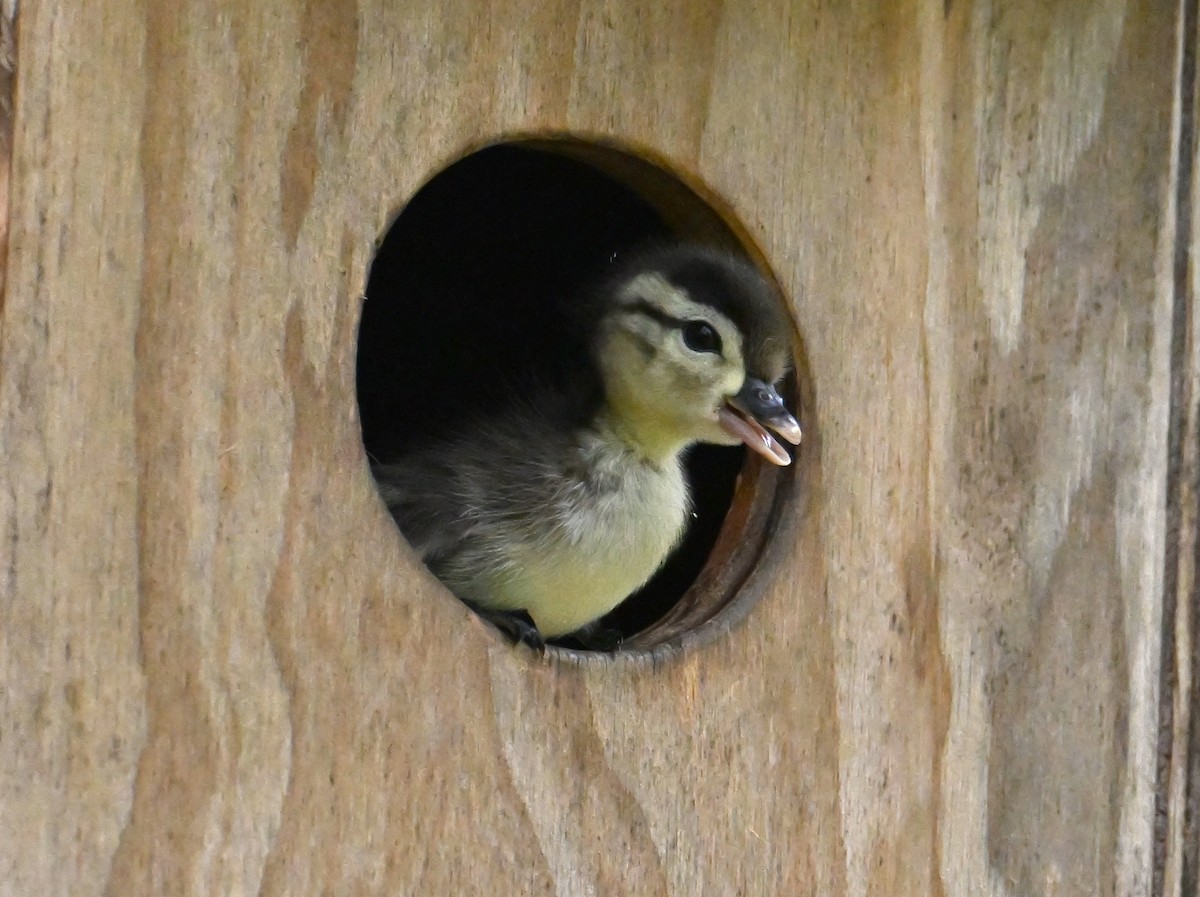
point(643, 307)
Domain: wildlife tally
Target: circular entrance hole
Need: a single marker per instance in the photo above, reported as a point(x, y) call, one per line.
point(465, 304)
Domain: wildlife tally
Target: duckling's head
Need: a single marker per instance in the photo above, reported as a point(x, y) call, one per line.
point(691, 344)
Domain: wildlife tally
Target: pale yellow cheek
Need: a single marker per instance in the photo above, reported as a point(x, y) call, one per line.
point(671, 388)
point(732, 380)
point(709, 386)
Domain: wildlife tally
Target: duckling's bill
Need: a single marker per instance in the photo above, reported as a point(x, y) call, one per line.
point(753, 435)
point(744, 416)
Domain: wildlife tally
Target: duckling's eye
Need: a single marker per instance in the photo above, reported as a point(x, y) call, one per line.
point(699, 336)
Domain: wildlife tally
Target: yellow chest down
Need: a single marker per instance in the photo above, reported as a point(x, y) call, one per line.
point(598, 555)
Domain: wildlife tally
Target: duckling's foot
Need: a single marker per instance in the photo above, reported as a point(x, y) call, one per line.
point(524, 631)
point(597, 637)
point(516, 624)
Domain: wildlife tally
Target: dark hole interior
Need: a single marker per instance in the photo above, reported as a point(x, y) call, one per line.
point(465, 302)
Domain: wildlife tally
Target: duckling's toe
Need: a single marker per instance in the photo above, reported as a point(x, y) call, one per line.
point(517, 625)
point(525, 632)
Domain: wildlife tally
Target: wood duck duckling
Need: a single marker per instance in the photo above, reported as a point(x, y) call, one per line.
point(548, 515)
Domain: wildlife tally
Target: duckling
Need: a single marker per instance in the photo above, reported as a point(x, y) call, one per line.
point(546, 515)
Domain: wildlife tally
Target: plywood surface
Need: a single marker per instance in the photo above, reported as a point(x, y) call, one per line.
point(222, 671)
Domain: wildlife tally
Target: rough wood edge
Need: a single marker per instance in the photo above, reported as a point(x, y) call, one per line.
point(1177, 794)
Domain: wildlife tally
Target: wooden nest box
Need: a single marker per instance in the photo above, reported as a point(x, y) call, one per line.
point(963, 659)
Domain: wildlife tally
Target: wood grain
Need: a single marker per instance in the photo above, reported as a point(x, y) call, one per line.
point(223, 672)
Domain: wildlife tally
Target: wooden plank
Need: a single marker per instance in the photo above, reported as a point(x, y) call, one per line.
point(222, 671)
